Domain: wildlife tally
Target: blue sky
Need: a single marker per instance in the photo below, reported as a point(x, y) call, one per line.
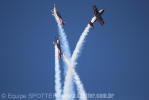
point(114, 58)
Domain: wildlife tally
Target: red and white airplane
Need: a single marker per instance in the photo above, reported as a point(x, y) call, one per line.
point(58, 15)
point(57, 43)
point(97, 16)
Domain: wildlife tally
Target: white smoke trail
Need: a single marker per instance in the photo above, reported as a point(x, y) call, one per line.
point(68, 83)
point(79, 45)
point(66, 91)
point(79, 85)
point(75, 55)
point(58, 90)
point(71, 70)
point(68, 78)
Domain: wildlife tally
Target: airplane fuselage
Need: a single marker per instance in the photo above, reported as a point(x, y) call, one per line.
point(97, 16)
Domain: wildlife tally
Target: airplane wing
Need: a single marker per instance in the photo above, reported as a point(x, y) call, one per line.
point(101, 11)
point(59, 56)
point(95, 10)
point(101, 21)
point(60, 51)
point(58, 14)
